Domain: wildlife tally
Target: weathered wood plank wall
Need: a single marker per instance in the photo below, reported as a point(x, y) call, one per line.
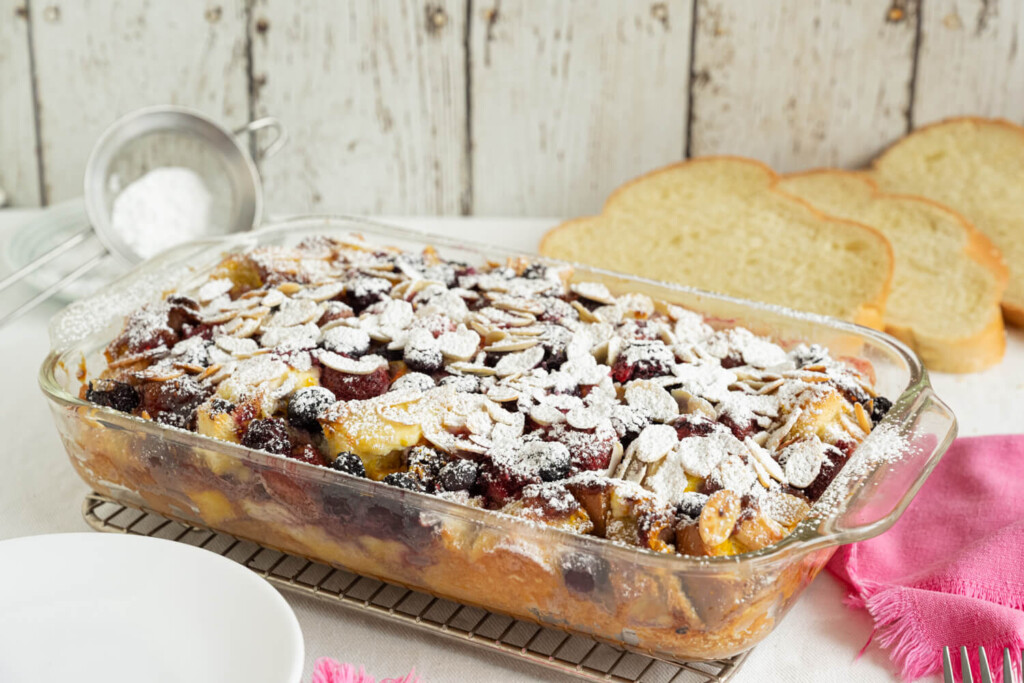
point(526, 107)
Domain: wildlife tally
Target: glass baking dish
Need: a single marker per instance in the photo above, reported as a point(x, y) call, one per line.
point(666, 605)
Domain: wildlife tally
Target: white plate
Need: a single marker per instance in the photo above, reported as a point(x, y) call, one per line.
point(119, 609)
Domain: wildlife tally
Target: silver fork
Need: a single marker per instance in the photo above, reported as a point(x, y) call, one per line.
point(986, 675)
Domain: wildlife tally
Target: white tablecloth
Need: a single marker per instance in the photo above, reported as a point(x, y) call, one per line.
point(818, 641)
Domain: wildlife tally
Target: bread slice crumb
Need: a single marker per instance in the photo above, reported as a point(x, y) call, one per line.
point(720, 224)
point(948, 277)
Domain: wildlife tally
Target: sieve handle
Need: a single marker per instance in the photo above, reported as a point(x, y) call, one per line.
point(275, 144)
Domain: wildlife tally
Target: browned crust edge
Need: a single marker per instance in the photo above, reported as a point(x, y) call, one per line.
point(1012, 312)
point(869, 313)
point(958, 354)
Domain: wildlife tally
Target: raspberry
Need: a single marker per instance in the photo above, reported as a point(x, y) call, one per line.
point(693, 425)
point(588, 449)
point(349, 463)
point(269, 435)
point(355, 387)
point(336, 310)
point(113, 394)
point(741, 429)
point(307, 453)
point(834, 461)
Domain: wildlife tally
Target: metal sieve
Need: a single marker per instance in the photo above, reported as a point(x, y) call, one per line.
point(144, 140)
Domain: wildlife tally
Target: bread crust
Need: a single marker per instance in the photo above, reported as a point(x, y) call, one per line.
point(1012, 312)
point(957, 354)
point(869, 313)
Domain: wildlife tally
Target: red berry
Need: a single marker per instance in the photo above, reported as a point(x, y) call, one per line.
point(355, 387)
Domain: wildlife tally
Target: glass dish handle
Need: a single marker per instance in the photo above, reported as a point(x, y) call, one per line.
point(874, 503)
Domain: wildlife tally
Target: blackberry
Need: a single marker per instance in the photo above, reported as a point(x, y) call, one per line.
point(584, 573)
point(403, 480)
point(349, 463)
point(306, 405)
point(269, 435)
point(458, 475)
point(113, 394)
point(426, 358)
point(173, 402)
point(689, 507)
point(555, 464)
point(219, 405)
point(425, 463)
point(535, 271)
point(880, 408)
point(365, 291)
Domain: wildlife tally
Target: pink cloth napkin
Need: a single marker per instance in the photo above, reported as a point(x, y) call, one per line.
point(951, 570)
point(328, 670)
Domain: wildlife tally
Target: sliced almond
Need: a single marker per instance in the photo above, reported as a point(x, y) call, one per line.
point(764, 458)
point(651, 399)
point(862, 417)
point(776, 437)
point(594, 291)
point(584, 417)
point(351, 366)
point(759, 531)
point(545, 414)
point(512, 344)
point(461, 344)
point(236, 346)
point(472, 368)
point(718, 517)
point(653, 443)
point(519, 362)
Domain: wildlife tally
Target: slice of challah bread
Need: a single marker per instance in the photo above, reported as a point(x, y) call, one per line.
point(975, 167)
point(948, 277)
point(717, 223)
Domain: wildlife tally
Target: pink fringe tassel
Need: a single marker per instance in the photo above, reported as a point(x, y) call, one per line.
point(328, 670)
point(912, 649)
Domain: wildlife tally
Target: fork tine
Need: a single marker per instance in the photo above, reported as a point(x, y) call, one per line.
point(965, 666)
point(986, 675)
point(1008, 676)
point(947, 666)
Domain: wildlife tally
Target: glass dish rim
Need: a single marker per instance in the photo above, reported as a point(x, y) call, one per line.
point(805, 538)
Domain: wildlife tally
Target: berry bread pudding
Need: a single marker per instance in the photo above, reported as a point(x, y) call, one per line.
point(506, 388)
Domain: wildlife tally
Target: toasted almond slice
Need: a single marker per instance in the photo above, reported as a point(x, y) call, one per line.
point(862, 417)
point(545, 414)
point(584, 417)
point(594, 291)
point(512, 344)
point(771, 386)
point(247, 329)
point(289, 288)
point(273, 298)
point(585, 314)
point(718, 517)
point(653, 443)
point(158, 374)
point(759, 532)
point(651, 399)
point(764, 458)
point(776, 437)
point(351, 366)
point(323, 292)
point(519, 361)
point(762, 473)
point(472, 368)
point(503, 393)
point(236, 346)
point(459, 345)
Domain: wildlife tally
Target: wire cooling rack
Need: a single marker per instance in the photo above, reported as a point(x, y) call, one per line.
point(572, 654)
